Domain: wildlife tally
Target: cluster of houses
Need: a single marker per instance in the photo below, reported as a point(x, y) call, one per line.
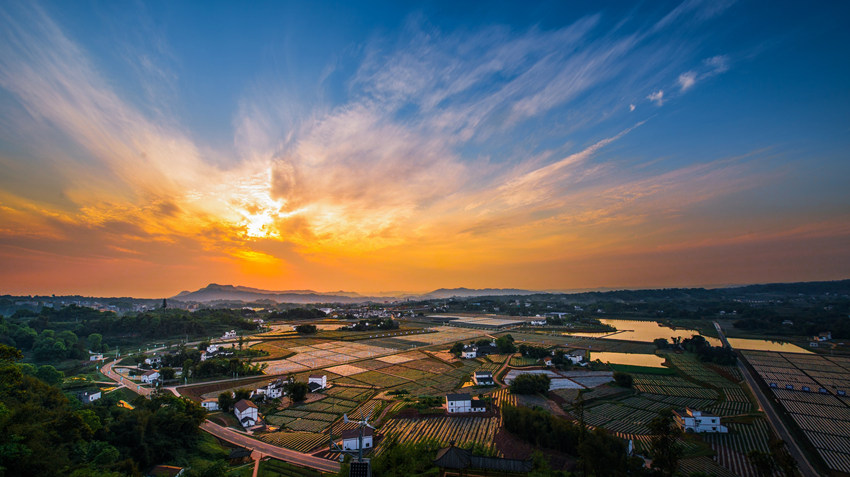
point(819, 338)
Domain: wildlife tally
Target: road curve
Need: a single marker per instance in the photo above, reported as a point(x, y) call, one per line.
point(776, 422)
point(106, 369)
point(234, 437)
point(280, 453)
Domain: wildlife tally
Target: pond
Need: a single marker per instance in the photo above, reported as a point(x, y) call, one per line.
point(633, 330)
point(630, 359)
point(647, 331)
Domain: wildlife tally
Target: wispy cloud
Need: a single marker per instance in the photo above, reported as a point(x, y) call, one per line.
point(657, 97)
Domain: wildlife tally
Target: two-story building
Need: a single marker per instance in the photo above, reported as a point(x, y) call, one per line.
point(469, 352)
point(150, 377)
point(316, 382)
point(691, 420)
point(246, 413)
point(457, 403)
point(483, 378)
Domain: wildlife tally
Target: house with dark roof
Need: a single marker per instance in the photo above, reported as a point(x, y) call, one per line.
point(246, 412)
point(316, 382)
point(351, 439)
point(483, 378)
point(462, 402)
point(453, 459)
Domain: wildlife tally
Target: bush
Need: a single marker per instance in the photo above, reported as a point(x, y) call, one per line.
point(530, 384)
point(306, 329)
point(624, 380)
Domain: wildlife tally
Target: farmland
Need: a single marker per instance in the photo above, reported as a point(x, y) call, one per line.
point(463, 430)
point(809, 387)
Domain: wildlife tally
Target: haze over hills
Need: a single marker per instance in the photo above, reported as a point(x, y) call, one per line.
point(216, 292)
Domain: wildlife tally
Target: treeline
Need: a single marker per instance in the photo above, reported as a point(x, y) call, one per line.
point(297, 314)
point(43, 432)
point(598, 452)
point(71, 331)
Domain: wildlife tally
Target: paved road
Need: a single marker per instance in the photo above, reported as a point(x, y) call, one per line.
point(280, 453)
point(775, 421)
point(234, 437)
point(106, 369)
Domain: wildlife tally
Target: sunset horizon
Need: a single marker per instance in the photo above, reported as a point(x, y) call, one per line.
point(158, 147)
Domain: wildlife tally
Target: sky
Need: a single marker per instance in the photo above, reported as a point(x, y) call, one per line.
point(152, 147)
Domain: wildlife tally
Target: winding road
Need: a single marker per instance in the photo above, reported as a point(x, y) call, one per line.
point(234, 437)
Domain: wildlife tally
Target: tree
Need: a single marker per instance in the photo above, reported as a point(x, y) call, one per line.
point(762, 461)
point(505, 344)
point(661, 343)
point(95, 342)
point(49, 375)
point(530, 384)
point(624, 380)
point(306, 329)
point(457, 348)
point(783, 459)
point(241, 394)
point(297, 390)
point(167, 373)
point(9, 353)
point(225, 401)
point(664, 449)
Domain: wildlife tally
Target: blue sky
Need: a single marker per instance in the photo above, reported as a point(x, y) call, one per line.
point(339, 145)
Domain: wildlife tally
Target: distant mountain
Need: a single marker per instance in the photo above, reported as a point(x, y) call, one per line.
point(216, 292)
point(469, 292)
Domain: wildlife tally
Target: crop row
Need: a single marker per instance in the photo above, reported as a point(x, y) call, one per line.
point(298, 441)
point(461, 430)
point(829, 442)
point(701, 393)
point(811, 409)
point(821, 424)
point(743, 437)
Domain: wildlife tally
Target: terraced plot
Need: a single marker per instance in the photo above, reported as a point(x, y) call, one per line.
point(823, 416)
point(444, 429)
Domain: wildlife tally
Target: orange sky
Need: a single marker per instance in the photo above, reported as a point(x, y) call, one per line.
point(487, 157)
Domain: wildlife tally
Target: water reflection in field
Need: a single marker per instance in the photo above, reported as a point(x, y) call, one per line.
point(647, 331)
point(631, 359)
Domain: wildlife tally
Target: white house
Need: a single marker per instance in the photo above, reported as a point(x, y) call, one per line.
point(483, 378)
point(95, 356)
point(154, 361)
point(469, 352)
point(691, 420)
point(461, 403)
point(89, 396)
point(547, 361)
point(317, 381)
point(537, 322)
point(150, 376)
point(229, 335)
point(210, 404)
point(351, 439)
point(213, 348)
point(273, 390)
point(246, 412)
point(576, 358)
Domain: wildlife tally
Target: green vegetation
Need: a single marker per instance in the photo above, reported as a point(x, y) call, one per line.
point(306, 329)
point(42, 432)
point(599, 453)
point(623, 379)
point(530, 384)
